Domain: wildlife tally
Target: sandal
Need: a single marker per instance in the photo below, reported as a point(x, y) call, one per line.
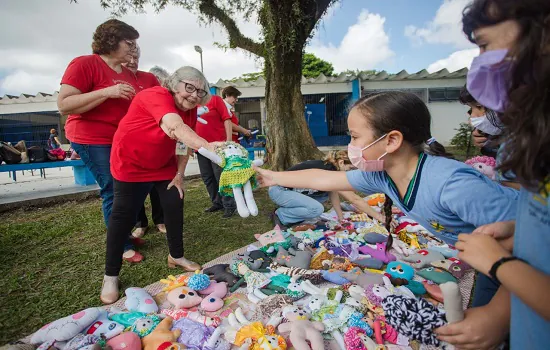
point(132, 256)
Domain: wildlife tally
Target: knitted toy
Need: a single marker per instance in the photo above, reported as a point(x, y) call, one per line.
point(137, 299)
point(237, 177)
point(413, 318)
point(400, 270)
point(67, 327)
point(436, 275)
point(221, 273)
point(378, 253)
point(376, 200)
point(423, 258)
point(198, 281)
point(301, 329)
point(162, 338)
point(484, 164)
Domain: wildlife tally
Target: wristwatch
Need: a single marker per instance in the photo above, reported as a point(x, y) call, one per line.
point(498, 263)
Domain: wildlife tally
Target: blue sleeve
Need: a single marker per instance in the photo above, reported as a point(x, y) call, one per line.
point(366, 182)
point(477, 200)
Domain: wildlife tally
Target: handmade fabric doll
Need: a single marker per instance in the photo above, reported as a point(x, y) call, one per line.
point(400, 270)
point(67, 327)
point(423, 258)
point(237, 176)
point(137, 299)
point(301, 329)
point(162, 338)
point(221, 273)
point(138, 322)
point(196, 335)
point(357, 339)
point(379, 253)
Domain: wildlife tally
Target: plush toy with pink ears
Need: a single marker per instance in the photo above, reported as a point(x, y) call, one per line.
point(483, 164)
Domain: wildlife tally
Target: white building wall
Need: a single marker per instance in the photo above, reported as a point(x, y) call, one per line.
point(446, 117)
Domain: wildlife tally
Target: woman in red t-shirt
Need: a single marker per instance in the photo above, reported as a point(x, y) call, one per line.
point(95, 92)
point(219, 127)
point(143, 157)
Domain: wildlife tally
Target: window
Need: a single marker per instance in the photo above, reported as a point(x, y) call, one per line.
point(444, 94)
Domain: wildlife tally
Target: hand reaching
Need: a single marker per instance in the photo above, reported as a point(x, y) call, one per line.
point(265, 177)
point(480, 251)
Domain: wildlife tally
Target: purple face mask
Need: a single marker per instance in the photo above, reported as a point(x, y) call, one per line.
point(487, 79)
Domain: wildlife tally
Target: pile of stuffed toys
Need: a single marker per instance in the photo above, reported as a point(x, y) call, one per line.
point(314, 284)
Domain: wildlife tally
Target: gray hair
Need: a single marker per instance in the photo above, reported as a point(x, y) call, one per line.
point(161, 74)
point(190, 74)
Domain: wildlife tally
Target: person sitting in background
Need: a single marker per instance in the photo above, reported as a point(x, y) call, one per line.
point(145, 80)
point(53, 141)
point(161, 74)
point(300, 204)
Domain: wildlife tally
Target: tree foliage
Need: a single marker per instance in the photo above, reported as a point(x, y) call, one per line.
point(462, 141)
point(312, 66)
point(286, 27)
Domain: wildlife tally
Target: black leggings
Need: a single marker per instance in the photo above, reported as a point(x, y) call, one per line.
point(156, 209)
point(128, 199)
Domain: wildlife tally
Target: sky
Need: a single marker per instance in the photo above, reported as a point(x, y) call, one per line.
point(39, 38)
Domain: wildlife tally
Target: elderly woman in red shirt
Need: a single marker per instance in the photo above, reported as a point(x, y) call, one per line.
point(95, 92)
point(143, 157)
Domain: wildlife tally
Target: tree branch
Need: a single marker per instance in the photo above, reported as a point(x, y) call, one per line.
point(236, 38)
point(322, 6)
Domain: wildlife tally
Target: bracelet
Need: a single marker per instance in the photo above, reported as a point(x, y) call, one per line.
point(498, 263)
point(180, 174)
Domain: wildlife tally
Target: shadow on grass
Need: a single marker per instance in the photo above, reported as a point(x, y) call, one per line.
point(52, 258)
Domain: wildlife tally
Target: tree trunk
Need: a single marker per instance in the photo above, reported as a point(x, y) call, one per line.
point(289, 139)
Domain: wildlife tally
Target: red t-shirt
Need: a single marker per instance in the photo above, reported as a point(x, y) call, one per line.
point(98, 125)
point(217, 113)
point(141, 151)
point(235, 121)
point(146, 80)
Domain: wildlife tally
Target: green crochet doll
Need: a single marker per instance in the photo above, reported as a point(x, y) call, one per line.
point(237, 176)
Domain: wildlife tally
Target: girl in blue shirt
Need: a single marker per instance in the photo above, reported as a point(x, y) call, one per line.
point(512, 75)
point(392, 147)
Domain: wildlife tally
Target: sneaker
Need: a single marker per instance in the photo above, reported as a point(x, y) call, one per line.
point(229, 212)
point(213, 208)
point(132, 256)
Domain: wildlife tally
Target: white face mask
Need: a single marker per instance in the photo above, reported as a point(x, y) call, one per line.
point(485, 125)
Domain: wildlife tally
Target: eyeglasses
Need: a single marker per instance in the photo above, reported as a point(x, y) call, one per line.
point(131, 44)
point(190, 88)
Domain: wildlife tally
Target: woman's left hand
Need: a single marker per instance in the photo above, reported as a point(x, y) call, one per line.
point(480, 251)
point(265, 177)
point(177, 181)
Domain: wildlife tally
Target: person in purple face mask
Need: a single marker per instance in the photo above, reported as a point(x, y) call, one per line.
point(512, 75)
point(395, 153)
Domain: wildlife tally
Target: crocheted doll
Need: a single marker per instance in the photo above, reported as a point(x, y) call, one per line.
point(483, 164)
point(237, 176)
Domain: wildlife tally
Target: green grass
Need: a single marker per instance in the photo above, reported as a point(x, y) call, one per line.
point(52, 258)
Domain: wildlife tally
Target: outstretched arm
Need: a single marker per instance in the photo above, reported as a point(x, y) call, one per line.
point(210, 155)
point(176, 129)
point(316, 179)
